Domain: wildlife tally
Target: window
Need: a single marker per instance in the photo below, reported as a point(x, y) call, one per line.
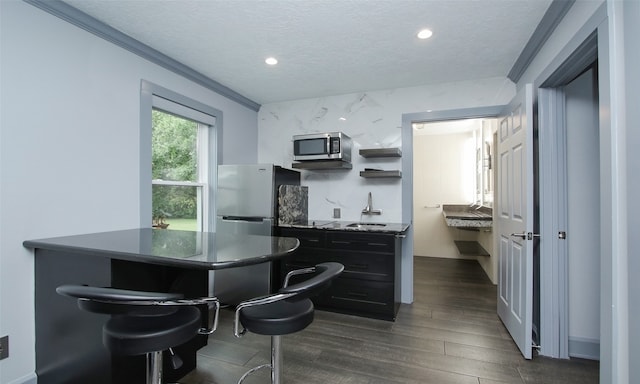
point(179, 188)
point(182, 160)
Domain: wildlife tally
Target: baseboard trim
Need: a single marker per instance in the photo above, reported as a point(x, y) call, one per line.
point(584, 348)
point(31, 378)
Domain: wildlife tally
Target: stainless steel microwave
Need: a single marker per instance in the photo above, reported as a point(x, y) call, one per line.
point(322, 146)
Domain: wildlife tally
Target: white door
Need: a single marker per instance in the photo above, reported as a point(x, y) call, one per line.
point(515, 218)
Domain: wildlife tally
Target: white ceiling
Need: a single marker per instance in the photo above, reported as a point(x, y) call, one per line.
point(328, 47)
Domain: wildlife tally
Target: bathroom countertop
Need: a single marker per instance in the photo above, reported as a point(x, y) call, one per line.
point(344, 225)
point(457, 215)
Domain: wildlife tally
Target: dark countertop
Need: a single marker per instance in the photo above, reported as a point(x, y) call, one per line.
point(338, 225)
point(187, 249)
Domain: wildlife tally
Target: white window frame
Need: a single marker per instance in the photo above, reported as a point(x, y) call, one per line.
point(209, 133)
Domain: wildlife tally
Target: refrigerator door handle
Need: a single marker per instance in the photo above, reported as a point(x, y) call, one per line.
point(243, 218)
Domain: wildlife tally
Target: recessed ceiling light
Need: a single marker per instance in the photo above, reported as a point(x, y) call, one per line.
point(342, 119)
point(271, 61)
point(425, 34)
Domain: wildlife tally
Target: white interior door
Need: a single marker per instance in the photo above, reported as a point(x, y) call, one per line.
point(515, 218)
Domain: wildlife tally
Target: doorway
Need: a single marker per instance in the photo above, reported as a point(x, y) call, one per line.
point(407, 269)
point(453, 166)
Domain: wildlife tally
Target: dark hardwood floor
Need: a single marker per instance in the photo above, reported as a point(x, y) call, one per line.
point(450, 334)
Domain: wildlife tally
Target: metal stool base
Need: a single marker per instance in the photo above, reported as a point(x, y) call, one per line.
point(275, 365)
point(154, 367)
point(252, 370)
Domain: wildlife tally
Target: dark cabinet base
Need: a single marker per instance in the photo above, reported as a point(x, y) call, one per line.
point(360, 297)
point(370, 283)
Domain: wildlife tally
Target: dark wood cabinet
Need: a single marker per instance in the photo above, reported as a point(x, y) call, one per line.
point(370, 283)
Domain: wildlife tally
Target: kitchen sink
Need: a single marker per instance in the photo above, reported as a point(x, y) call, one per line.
point(365, 225)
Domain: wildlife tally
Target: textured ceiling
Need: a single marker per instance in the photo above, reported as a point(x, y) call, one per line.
point(328, 47)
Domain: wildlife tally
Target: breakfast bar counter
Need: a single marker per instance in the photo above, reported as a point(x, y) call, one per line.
point(69, 341)
point(185, 249)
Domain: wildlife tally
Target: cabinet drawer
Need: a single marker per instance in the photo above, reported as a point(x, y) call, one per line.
point(357, 265)
point(368, 242)
point(359, 296)
point(365, 266)
point(309, 238)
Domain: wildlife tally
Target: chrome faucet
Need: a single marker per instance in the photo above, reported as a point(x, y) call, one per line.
point(368, 210)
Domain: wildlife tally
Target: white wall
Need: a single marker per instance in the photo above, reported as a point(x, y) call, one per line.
point(583, 223)
point(443, 173)
point(70, 149)
point(632, 63)
point(373, 120)
point(624, 53)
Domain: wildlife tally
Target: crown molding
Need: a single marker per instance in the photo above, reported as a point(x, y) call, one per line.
point(554, 15)
point(102, 30)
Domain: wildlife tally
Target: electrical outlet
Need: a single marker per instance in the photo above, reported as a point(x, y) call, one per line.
point(336, 213)
point(4, 347)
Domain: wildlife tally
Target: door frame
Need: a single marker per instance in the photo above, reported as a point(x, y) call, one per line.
point(554, 292)
point(407, 177)
point(591, 42)
point(554, 285)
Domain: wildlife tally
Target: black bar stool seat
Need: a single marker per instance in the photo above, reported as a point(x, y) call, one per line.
point(128, 335)
point(278, 318)
point(145, 323)
point(288, 311)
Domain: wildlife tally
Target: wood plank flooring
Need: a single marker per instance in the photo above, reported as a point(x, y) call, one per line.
point(449, 335)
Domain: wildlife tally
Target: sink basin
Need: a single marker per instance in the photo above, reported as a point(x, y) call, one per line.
point(365, 225)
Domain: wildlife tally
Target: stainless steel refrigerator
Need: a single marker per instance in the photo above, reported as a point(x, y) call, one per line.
point(247, 203)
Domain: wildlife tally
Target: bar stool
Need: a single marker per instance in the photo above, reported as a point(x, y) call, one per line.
point(287, 311)
point(145, 323)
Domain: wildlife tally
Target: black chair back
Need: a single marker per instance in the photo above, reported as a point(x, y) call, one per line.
point(324, 275)
point(112, 301)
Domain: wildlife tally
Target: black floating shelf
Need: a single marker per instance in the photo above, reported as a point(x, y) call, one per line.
point(381, 152)
point(470, 248)
point(318, 165)
point(394, 173)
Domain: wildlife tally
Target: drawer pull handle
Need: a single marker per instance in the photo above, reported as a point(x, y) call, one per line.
point(377, 244)
point(340, 242)
point(312, 240)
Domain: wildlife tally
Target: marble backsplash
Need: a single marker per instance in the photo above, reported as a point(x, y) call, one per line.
point(365, 123)
point(372, 120)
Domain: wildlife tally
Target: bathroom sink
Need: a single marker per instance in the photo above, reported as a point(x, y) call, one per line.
point(365, 225)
